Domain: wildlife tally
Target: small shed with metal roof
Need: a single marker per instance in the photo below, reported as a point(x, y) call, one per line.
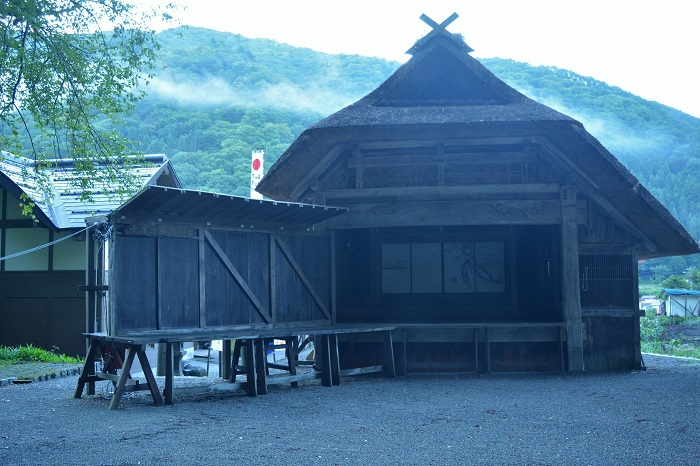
point(198, 261)
point(684, 303)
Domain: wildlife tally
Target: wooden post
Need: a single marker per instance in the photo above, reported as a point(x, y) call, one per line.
point(123, 377)
point(323, 359)
point(169, 372)
point(225, 361)
point(89, 281)
point(635, 320)
point(261, 365)
point(88, 368)
point(251, 367)
point(148, 374)
point(291, 348)
point(334, 359)
point(570, 288)
point(389, 366)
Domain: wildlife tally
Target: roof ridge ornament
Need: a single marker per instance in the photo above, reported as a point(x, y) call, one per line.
point(438, 29)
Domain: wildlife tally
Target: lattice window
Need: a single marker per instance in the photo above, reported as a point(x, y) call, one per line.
point(605, 267)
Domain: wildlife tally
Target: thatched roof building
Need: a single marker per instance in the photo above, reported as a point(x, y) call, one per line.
point(445, 93)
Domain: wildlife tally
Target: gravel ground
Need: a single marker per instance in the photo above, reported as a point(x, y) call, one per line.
point(650, 417)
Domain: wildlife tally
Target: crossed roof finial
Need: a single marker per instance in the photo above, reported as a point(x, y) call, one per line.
point(438, 29)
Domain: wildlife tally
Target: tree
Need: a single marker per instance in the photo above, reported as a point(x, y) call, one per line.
point(69, 71)
point(676, 282)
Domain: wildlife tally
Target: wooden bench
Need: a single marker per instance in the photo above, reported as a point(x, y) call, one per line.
point(255, 369)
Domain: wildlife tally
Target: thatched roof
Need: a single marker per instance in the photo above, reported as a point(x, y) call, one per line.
point(445, 93)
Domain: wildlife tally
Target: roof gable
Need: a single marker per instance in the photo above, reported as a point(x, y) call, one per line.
point(442, 78)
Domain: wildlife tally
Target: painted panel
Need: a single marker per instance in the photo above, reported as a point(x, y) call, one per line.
point(396, 268)
point(426, 261)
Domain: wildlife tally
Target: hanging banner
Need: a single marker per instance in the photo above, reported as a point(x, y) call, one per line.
point(256, 172)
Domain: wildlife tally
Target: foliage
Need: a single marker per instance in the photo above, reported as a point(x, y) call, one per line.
point(655, 337)
point(676, 282)
point(651, 329)
point(66, 84)
point(30, 353)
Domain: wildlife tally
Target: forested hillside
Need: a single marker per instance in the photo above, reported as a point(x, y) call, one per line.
point(219, 95)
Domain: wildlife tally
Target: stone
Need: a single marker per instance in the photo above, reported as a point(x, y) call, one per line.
point(194, 371)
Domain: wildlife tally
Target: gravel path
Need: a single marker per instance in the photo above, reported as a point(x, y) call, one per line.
point(650, 417)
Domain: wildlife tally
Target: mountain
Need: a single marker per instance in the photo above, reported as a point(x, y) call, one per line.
point(219, 95)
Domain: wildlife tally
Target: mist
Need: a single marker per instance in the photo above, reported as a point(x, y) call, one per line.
point(213, 91)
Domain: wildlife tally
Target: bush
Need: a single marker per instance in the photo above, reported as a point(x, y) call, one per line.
point(30, 353)
point(651, 329)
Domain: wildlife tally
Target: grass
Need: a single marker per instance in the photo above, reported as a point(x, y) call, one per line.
point(656, 338)
point(30, 353)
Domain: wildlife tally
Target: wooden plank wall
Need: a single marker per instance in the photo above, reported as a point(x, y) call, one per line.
point(220, 279)
point(609, 343)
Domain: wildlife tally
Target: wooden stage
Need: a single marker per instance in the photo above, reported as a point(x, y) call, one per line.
point(118, 353)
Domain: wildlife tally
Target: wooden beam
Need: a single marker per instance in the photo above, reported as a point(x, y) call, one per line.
point(148, 375)
point(510, 212)
point(238, 277)
point(302, 276)
point(415, 193)
point(571, 294)
point(561, 160)
point(119, 389)
point(424, 159)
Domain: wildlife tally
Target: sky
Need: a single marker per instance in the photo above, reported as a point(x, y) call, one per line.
point(648, 48)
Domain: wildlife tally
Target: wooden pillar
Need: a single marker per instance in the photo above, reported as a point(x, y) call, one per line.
point(169, 373)
point(89, 281)
point(635, 320)
point(251, 367)
point(389, 365)
point(570, 288)
point(260, 356)
point(225, 361)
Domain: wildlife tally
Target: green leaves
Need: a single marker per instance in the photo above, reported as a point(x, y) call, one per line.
point(66, 84)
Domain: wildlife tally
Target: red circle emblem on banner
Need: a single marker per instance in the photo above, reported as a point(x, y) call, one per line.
point(256, 164)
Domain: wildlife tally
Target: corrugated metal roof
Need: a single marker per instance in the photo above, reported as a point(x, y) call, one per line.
point(155, 203)
point(676, 292)
point(66, 209)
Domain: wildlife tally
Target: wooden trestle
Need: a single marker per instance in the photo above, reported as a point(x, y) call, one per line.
point(119, 352)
